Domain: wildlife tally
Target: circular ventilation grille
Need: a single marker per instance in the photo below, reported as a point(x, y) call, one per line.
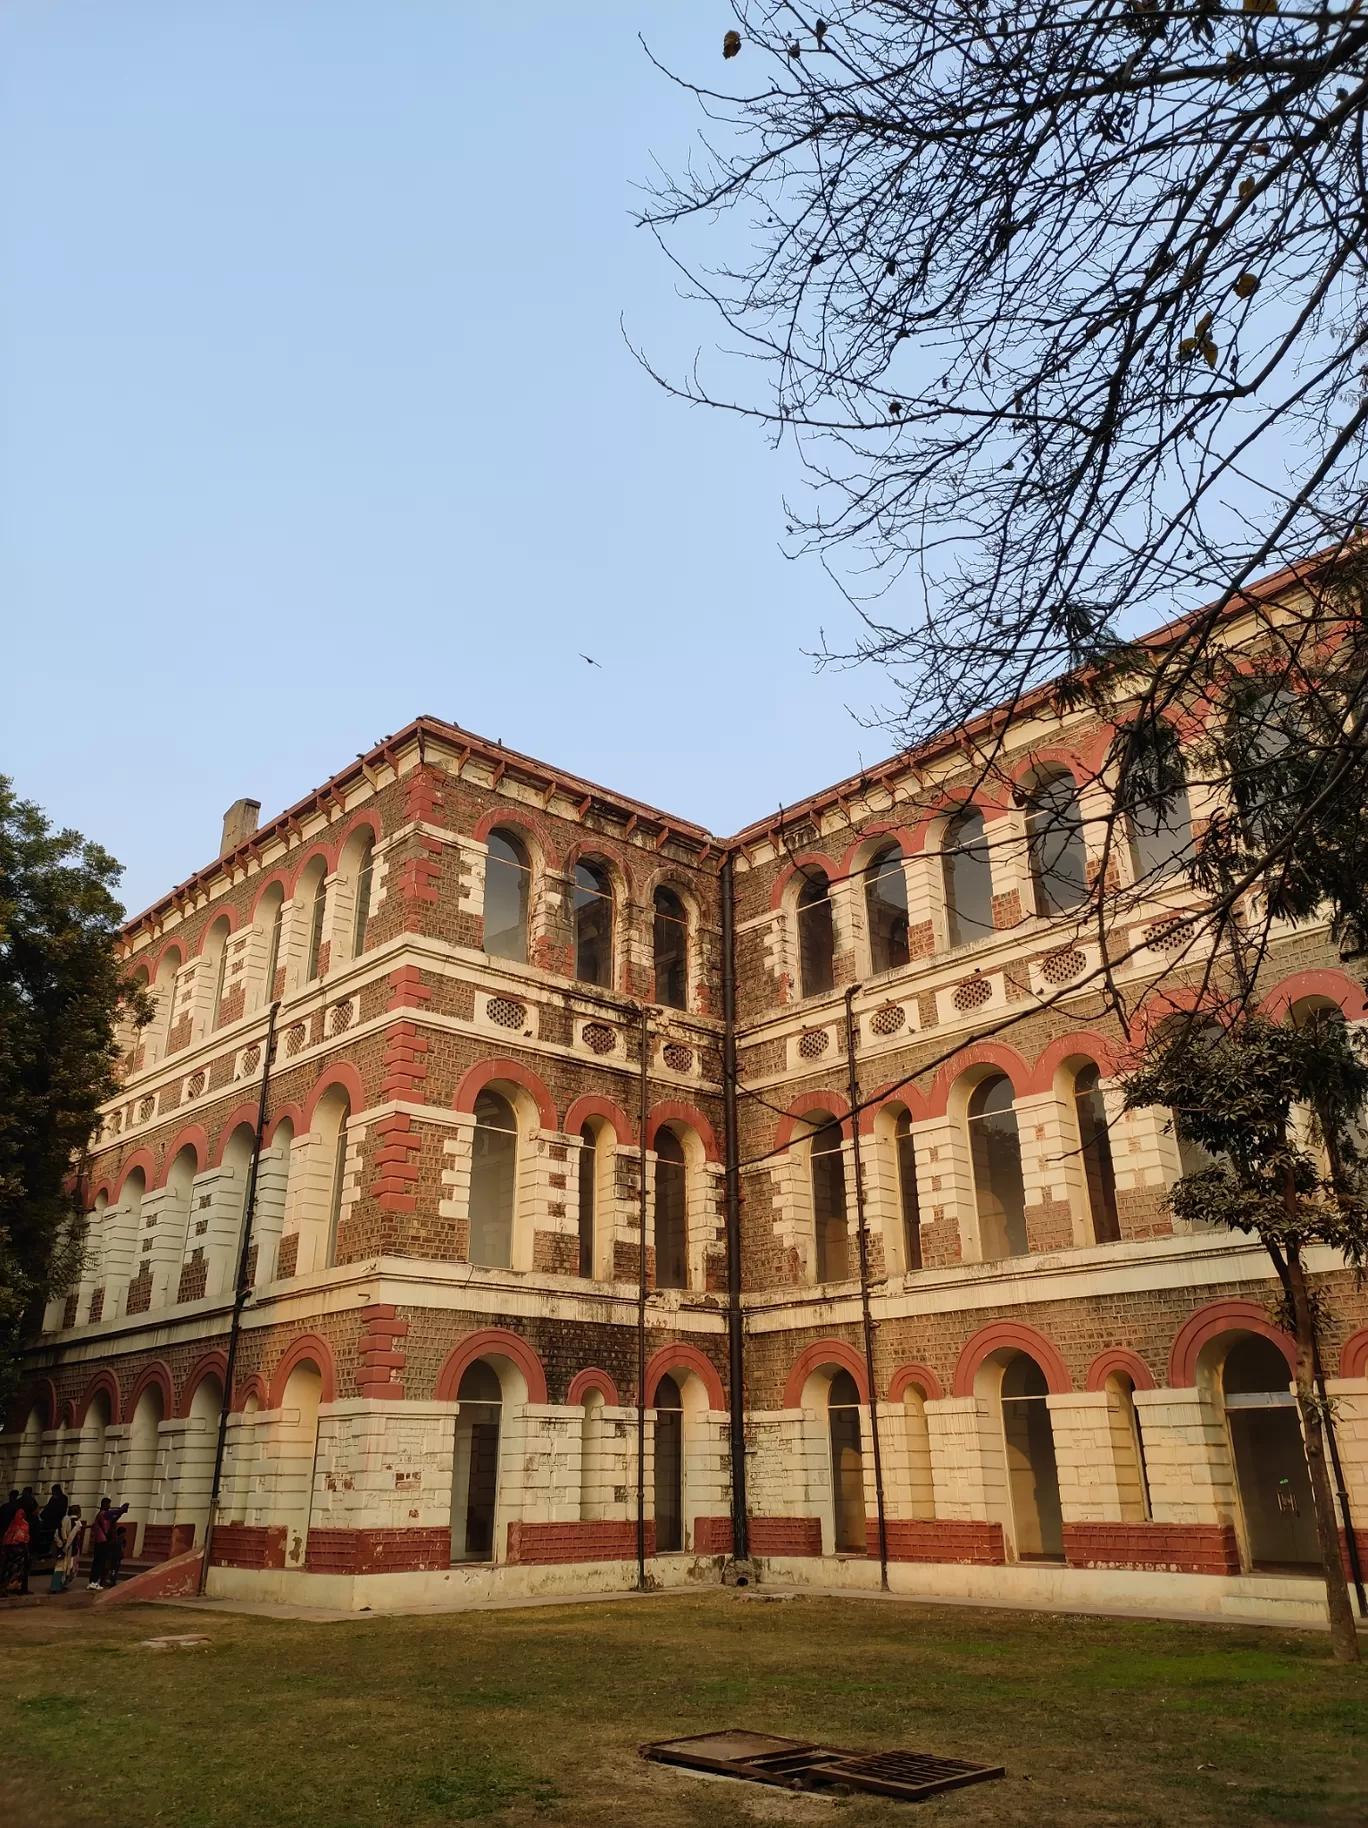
point(973, 993)
point(508, 1012)
point(340, 1017)
point(194, 1085)
point(887, 1021)
point(1059, 967)
point(146, 1108)
point(1167, 935)
point(678, 1058)
point(599, 1037)
point(295, 1038)
point(813, 1044)
point(251, 1059)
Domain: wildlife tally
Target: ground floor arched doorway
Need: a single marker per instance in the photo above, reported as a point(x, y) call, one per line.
point(475, 1465)
point(1270, 1458)
point(1032, 1472)
point(847, 1465)
point(669, 1466)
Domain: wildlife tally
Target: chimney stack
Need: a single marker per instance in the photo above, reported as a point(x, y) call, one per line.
point(239, 822)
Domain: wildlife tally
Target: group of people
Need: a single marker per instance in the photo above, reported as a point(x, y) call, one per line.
point(29, 1535)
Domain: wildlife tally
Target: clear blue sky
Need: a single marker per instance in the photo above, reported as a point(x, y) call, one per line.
point(315, 413)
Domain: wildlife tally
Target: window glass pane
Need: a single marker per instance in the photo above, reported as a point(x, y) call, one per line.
point(669, 1468)
point(1155, 796)
point(1095, 1142)
point(671, 951)
point(886, 906)
point(671, 1217)
point(493, 1181)
point(829, 1205)
point(968, 880)
point(1059, 862)
point(588, 1194)
point(507, 882)
point(907, 1192)
point(593, 927)
point(816, 938)
point(995, 1151)
point(364, 877)
point(273, 948)
point(320, 897)
point(338, 1174)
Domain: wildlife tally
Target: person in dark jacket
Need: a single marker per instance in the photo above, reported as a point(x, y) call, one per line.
point(49, 1518)
point(101, 1536)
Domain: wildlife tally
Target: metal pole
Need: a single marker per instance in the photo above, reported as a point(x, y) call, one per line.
point(863, 1237)
point(1341, 1494)
point(239, 1297)
point(643, 1104)
point(735, 1331)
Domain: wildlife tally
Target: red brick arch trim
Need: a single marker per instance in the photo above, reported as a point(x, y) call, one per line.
point(213, 1364)
point(915, 1377)
point(366, 818)
point(910, 1096)
point(1209, 1323)
point(342, 1073)
point(671, 1110)
point(105, 1380)
point(141, 1158)
point(172, 945)
point(870, 835)
point(948, 805)
point(1084, 1044)
point(1119, 1359)
point(309, 1346)
point(1354, 1357)
point(225, 914)
point(254, 1384)
point(1054, 757)
point(593, 1106)
point(193, 1136)
point(319, 848)
point(295, 1115)
point(243, 1116)
point(495, 1342)
point(812, 1358)
point(1009, 1335)
point(485, 1071)
point(1334, 985)
point(993, 1054)
point(277, 878)
point(803, 1105)
point(519, 820)
point(679, 1357)
point(44, 1400)
point(808, 860)
point(156, 1374)
point(592, 1379)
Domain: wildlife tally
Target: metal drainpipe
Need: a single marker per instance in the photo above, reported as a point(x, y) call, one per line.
point(239, 1298)
point(863, 1237)
point(735, 1331)
point(643, 1110)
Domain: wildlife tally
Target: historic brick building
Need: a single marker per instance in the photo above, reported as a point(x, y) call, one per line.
point(438, 1378)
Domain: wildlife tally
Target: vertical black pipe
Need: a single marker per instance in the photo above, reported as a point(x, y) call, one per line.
point(863, 1237)
point(240, 1295)
point(735, 1335)
point(643, 1110)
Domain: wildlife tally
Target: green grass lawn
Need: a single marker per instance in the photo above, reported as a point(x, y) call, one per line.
point(529, 1716)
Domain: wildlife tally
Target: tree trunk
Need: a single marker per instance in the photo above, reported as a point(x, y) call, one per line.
point(1343, 1635)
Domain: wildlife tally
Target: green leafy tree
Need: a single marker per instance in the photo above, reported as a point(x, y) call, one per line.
point(61, 994)
point(1276, 1105)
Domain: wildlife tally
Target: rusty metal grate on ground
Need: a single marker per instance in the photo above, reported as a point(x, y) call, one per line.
point(802, 1764)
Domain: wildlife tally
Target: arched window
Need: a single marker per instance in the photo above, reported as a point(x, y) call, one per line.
point(847, 1465)
point(1270, 1458)
point(968, 879)
point(1032, 1472)
point(216, 947)
point(671, 1213)
point(1154, 793)
point(886, 907)
point(920, 1479)
point(475, 1464)
point(507, 895)
point(342, 1110)
point(593, 926)
point(907, 1191)
point(995, 1151)
point(274, 903)
point(365, 875)
point(816, 936)
point(1059, 863)
point(588, 1197)
point(1094, 1141)
point(829, 1203)
point(1128, 1448)
point(593, 1470)
point(1266, 725)
point(669, 1467)
point(493, 1181)
point(671, 939)
point(318, 907)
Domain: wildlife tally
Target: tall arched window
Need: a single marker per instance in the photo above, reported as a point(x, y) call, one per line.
point(593, 926)
point(475, 1464)
point(507, 895)
point(317, 909)
point(1059, 862)
point(493, 1181)
point(216, 946)
point(816, 935)
point(671, 1213)
point(1032, 1472)
point(588, 1197)
point(365, 876)
point(339, 1174)
point(670, 932)
point(669, 1467)
point(886, 908)
point(847, 1465)
point(1095, 1145)
point(907, 1191)
point(829, 1203)
point(995, 1150)
point(968, 879)
point(275, 914)
point(1154, 793)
